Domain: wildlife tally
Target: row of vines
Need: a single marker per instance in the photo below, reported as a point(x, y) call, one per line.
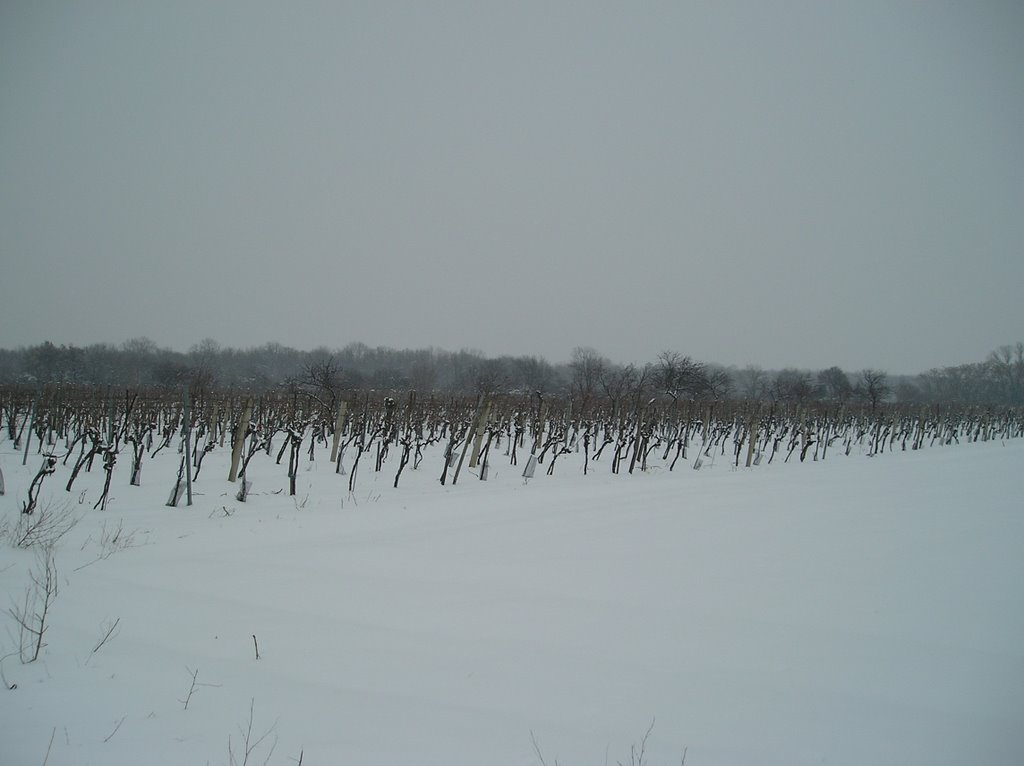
point(76, 429)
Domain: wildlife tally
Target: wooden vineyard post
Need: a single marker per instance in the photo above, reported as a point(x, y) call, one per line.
point(752, 436)
point(473, 426)
point(478, 440)
point(339, 423)
point(240, 431)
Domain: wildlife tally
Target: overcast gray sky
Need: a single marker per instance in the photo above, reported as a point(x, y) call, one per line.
point(776, 183)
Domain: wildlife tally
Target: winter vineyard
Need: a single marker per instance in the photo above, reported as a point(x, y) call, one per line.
point(456, 437)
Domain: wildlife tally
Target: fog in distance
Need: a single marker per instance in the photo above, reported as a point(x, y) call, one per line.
point(782, 183)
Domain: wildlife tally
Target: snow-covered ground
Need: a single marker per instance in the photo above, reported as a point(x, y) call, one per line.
point(851, 611)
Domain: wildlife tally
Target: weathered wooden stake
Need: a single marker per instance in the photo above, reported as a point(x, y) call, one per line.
point(478, 440)
point(752, 431)
point(240, 432)
point(469, 435)
point(339, 423)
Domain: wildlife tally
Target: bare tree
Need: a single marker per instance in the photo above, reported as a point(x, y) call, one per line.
point(835, 385)
point(423, 375)
point(139, 355)
point(680, 376)
point(1007, 367)
point(617, 382)
point(203, 370)
point(642, 385)
point(719, 384)
point(489, 376)
point(792, 386)
point(873, 386)
point(587, 366)
point(752, 383)
point(322, 381)
point(535, 373)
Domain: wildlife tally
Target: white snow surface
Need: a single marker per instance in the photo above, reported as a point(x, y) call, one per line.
point(848, 611)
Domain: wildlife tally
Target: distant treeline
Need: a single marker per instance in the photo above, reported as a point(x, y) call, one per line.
point(588, 376)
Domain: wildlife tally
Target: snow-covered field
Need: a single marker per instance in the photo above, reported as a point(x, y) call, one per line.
point(851, 611)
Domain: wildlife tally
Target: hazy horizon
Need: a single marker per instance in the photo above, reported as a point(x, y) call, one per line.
point(780, 184)
point(201, 347)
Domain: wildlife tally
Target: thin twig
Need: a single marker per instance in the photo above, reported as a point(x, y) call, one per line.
point(52, 735)
point(536, 749)
point(106, 637)
point(7, 684)
point(192, 688)
point(195, 685)
point(110, 736)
